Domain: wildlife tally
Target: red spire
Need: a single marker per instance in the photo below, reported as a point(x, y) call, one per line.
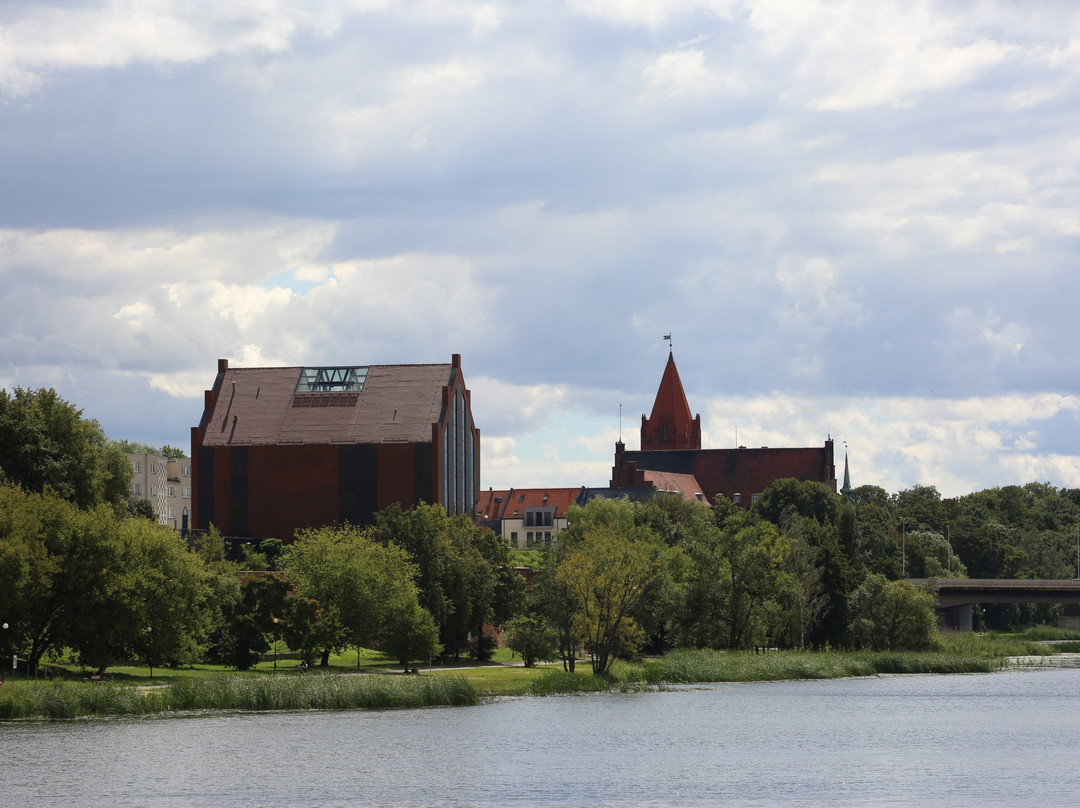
point(671, 426)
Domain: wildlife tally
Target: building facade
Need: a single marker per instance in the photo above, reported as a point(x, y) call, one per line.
point(283, 449)
point(166, 483)
point(671, 457)
point(528, 518)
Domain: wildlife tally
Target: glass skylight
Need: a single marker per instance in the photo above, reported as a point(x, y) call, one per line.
point(332, 380)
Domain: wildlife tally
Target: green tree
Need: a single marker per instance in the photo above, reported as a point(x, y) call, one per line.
point(463, 573)
point(141, 508)
point(551, 601)
point(809, 499)
point(607, 570)
point(151, 599)
point(533, 638)
point(46, 444)
point(891, 615)
point(95, 581)
point(249, 626)
point(365, 590)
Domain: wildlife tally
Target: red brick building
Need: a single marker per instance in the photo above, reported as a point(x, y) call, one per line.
point(671, 457)
point(280, 449)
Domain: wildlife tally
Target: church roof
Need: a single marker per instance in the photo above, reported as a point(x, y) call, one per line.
point(671, 424)
point(671, 398)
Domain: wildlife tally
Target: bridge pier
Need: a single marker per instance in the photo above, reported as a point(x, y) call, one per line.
point(955, 618)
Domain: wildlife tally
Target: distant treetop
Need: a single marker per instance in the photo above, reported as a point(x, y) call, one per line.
point(46, 444)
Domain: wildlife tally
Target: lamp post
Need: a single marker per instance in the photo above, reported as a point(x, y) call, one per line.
point(275, 643)
point(150, 651)
point(903, 558)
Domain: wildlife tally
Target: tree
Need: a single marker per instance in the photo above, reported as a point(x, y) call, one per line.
point(801, 596)
point(463, 573)
point(365, 590)
point(46, 444)
point(141, 508)
point(810, 499)
point(891, 615)
point(250, 621)
point(531, 637)
point(551, 601)
point(96, 581)
point(607, 570)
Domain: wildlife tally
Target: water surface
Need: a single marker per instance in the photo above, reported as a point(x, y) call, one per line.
point(974, 740)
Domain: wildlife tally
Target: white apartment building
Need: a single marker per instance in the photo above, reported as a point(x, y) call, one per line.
point(166, 483)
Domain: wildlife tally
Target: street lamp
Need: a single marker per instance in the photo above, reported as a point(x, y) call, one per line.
point(150, 651)
point(275, 643)
point(903, 561)
point(948, 540)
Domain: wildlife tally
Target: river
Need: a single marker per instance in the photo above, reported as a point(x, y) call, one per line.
point(1004, 739)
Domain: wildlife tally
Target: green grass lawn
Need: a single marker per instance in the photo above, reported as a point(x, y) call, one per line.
point(504, 674)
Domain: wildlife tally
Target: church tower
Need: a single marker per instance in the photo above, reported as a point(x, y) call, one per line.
point(670, 426)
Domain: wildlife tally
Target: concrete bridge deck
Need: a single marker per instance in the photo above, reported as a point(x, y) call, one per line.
point(956, 596)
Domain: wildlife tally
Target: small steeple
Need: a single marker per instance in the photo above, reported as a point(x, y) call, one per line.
point(846, 490)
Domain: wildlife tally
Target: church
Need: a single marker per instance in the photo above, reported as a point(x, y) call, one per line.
point(671, 457)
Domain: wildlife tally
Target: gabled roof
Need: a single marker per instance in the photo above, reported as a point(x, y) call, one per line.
point(262, 406)
point(498, 505)
point(685, 485)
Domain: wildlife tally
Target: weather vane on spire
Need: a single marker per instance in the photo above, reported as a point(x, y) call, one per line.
point(668, 338)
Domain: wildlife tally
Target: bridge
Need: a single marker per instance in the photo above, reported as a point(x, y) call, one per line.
point(956, 596)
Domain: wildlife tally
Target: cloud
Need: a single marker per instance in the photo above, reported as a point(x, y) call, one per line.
point(853, 218)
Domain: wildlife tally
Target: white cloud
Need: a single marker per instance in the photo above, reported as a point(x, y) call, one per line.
point(844, 203)
point(170, 32)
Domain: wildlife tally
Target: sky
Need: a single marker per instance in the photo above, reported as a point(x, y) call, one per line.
point(856, 220)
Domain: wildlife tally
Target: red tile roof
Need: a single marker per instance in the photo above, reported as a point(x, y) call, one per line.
point(683, 484)
point(518, 499)
point(259, 406)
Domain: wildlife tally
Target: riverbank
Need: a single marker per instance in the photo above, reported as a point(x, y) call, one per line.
point(470, 686)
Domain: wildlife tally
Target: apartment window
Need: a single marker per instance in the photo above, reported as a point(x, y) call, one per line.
point(172, 513)
point(185, 471)
point(137, 466)
point(186, 492)
point(172, 490)
point(547, 537)
point(539, 517)
point(737, 499)
point(136, 490)
point(753, 497)
point(513, 536)
point(153, 490)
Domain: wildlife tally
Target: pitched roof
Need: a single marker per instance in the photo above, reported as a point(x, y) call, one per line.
point(671, 425)
point(261, 406)
point(502, 504)
point(686, 485)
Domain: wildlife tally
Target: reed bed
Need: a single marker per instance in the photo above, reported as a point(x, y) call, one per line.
point(60, 700)
point(695, 666)
point(554, 683)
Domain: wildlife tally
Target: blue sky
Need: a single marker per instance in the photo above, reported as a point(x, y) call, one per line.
point(854, 219)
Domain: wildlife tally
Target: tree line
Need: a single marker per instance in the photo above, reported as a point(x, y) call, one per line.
point(82, 574)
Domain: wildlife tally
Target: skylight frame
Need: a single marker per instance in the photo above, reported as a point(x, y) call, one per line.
point(332, 379)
